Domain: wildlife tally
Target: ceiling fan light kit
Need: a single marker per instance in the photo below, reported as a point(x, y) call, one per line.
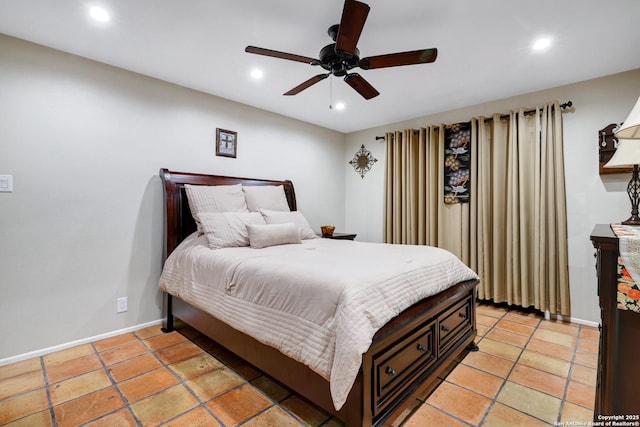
point(342, 56)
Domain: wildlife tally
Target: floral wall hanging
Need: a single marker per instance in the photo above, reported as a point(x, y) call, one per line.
point(362, 161)
point(457, 163)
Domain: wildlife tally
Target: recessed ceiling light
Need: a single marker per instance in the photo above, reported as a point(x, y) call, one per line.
point(340, 106)
point(257, 74)
point(99, 14)
point(542, 43)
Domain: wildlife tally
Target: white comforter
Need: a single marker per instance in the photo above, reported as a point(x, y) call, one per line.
point(319, 302)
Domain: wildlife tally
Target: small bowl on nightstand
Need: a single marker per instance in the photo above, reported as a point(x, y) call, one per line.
point(327, 230)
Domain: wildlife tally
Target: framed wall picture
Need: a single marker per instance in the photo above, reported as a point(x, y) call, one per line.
point(226, 143)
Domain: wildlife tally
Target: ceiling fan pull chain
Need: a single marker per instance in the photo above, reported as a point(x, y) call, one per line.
point(330, 93)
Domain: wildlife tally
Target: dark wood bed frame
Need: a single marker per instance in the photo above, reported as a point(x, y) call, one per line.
point(404, 359)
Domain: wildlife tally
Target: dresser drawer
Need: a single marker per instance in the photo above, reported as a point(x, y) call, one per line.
point(453, 323)
point(398, 364)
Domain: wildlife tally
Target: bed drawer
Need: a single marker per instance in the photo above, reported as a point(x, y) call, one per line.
point(453, 323)
point(398, 364)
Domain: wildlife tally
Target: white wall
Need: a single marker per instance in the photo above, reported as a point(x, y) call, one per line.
point(591, 199)
point(84, 143)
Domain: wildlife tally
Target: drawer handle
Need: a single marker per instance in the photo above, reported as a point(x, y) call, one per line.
point(390, 371)
point(445, 328)
point(422, 348)
point(463, 315)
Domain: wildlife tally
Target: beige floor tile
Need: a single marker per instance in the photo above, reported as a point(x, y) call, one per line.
point(589, 333)
point(164, 406)
point(491, 311)
point(481, 330)
point(529, 319)
point(549, 349)
point(586, 359)
point(489, 363)
point(176, 353)
point(581, 394)
point(562, 327)
point(459, 402)
point(165, 340)
point(578, 414)
point(239, 404)
point(39, 419)
point(75, 387)
point(19, 368)
point(500, 349)
point(504, 416)
point(427, 415)
point(196, 417)
point(214, 383)
point(476, 380)
point(555, 337)
point(487, 321)
point(133, 367)
point(149, 331)
point(116, 341)
point(72, 368)
point(14, 408)
point(538, 380)
point(67, 354)
point(147, 384)
point(588, 346)
point(121, 418)
point(275, 417)
point(545, 363)
point(122, 353)
point(195, 366)
point(88, 407)
point(584, 375)
point(515, 327)
point(507, 337)
point(532, 402)
point(25, 382)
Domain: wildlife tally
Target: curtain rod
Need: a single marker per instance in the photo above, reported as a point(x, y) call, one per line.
point(567, 104)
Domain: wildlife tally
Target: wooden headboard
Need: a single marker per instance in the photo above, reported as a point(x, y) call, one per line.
point(178, 222)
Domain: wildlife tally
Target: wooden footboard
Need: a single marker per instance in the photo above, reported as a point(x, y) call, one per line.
point(404, 359)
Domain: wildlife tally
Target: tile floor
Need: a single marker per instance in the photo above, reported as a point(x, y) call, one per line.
point(528, 372)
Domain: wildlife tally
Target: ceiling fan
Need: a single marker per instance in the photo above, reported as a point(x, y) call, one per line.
point(340, 57)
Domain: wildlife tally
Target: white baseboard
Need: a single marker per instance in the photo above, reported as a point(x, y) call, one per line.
point(548, 316)
point(42, 352)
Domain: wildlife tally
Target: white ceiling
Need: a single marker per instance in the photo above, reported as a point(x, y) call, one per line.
point(484, 48)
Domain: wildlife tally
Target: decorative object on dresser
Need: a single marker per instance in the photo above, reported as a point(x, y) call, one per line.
point(628, 155)
point(607, 145)
point(327, 230)
point(406, 355)
point(226, 143)
point(618, 367)
point(341, 236)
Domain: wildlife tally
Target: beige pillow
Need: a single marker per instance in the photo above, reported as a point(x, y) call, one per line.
point(265, 235)
point(296, 217)
point(228, 229)
point(215, 198)
point(270, 197)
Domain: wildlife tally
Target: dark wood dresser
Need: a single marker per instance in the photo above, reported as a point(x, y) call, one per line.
point(619, 355)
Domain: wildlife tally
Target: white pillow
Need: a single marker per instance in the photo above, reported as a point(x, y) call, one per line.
point(270, 197)
point(215, 198)
point(228, 229)
point(265, 235)
point(296, 217)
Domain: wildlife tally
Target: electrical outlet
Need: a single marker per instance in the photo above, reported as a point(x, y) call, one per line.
point(121, 305)
point(6, 183)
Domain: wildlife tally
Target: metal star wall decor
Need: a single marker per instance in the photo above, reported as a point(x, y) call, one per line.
point(362, 161)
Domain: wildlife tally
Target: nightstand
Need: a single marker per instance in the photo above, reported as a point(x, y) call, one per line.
point(341, 236)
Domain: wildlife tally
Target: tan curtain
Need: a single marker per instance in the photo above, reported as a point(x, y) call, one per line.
point(513, 232)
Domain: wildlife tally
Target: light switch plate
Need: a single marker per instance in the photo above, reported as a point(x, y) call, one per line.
point(6, 183)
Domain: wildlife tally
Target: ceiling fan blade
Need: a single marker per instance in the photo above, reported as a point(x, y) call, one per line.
point(354, 16)
point(281, 55)
point(396, 59)
point(313, 80)
point(361, 86)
